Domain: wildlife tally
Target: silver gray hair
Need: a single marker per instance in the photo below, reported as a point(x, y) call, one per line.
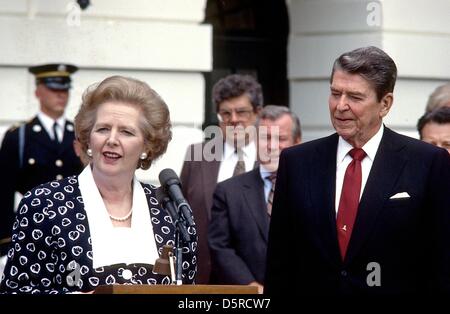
point(273, 112)
point(439, 98)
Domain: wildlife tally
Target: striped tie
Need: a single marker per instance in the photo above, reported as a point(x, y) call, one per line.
point(272, 177)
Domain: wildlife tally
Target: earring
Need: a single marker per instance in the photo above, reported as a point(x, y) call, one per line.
point(89, 152)
point(143, 156)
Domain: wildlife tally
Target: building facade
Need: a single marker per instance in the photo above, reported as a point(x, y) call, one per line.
point(171, 45)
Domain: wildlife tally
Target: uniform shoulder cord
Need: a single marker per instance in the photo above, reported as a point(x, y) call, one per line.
point(21, 144)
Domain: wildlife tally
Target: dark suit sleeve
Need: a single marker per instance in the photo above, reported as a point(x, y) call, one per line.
point(280, 263)
point(438, 197)
point(9, 165)
point(228, 266)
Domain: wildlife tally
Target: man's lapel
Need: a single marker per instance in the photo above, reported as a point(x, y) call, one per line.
point(323, 182)
point(253, 190)
point(67, 143)
point(386, 169)
point(209, 173)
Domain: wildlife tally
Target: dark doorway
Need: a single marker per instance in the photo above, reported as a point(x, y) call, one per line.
point(249, 37)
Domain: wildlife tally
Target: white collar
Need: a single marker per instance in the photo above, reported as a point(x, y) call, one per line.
point(370, 147)
point(264, 172)
point(249, 150)
point(108, 245)
point(48, 122)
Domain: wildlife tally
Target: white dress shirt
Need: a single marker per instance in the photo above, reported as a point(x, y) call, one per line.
point(230, 159)
point(114, 245)
point(267, 182)
point(344, 159)
point(48, 122)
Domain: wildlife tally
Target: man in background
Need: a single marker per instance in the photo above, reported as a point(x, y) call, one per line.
point(240, 215)
point(364, 211)
point(41, 149)
point(434, 127)
point(238, 99)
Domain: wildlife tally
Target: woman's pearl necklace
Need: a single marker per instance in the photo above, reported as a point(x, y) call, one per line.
point(121, 219)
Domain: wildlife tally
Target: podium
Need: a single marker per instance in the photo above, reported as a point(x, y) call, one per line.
point(174, 289)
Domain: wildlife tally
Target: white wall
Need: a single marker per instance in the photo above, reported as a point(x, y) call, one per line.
point(415, 33)
point(160, 42)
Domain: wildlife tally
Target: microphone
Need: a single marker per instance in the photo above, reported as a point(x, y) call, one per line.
point(168, 205)
point(172, 186)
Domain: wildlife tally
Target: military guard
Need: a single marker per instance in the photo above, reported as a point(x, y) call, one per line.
point(41, 149)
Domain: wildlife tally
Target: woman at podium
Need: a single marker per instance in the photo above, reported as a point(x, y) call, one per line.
point(102, 227)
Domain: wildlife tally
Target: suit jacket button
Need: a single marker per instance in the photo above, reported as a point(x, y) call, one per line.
point(343, 273)
point(58, 163)
point(31, 161)
point(59, 177)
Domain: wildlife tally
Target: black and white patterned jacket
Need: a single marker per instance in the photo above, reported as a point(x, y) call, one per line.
point(51, 250)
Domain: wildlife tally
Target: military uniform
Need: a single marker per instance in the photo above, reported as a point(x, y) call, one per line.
point(42, 161)
point(29, 156)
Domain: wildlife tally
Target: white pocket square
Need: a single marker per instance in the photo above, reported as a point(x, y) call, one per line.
point(400, 195)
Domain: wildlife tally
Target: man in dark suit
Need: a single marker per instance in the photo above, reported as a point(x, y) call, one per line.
point(237, 98)
point(40, 150)
point(240, 217)
point(364, 211)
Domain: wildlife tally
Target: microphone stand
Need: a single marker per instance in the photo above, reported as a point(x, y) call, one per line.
point(181, 237)
point(178, 259)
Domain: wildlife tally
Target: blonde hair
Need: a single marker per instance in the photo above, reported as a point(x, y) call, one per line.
point(155, 123)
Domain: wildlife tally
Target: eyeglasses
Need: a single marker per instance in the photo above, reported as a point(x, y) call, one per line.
point(241, 113)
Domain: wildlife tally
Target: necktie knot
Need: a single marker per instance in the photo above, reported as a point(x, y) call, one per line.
point(272, 177)
point(357, 154)
point(240, 165)
point(240, 154)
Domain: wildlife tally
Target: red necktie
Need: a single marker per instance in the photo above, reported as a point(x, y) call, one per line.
point(348, 204)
